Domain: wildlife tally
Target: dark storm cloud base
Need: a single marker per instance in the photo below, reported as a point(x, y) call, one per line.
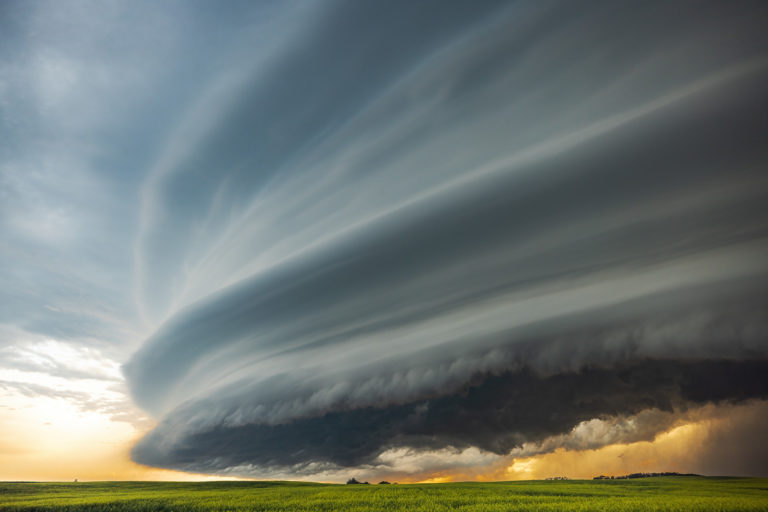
point(495, 413)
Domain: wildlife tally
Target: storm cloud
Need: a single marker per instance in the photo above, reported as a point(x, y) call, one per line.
point(452, 225)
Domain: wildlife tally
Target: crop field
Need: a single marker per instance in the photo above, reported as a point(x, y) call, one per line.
point(664, 493)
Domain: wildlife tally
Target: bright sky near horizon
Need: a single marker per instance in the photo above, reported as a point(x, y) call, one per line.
point(413, 241)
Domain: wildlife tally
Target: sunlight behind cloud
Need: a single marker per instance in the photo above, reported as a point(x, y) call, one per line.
point(64, 414)
point(715, 439)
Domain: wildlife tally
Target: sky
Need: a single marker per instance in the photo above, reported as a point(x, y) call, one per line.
point(415, 241)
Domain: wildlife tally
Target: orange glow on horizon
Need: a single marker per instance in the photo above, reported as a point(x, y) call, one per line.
point(48, 439)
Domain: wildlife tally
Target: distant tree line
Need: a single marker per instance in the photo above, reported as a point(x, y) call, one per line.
point(643, 475)
point(355, 481)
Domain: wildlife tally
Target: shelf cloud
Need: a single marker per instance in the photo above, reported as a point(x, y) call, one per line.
point(452, 226)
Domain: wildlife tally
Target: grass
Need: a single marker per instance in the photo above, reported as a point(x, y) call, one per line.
point(648, 494)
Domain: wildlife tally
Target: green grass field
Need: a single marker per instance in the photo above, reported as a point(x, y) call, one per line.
point(665, 493)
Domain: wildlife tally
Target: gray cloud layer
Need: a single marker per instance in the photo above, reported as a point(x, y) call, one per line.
point(478, 235)
point(364, 226)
